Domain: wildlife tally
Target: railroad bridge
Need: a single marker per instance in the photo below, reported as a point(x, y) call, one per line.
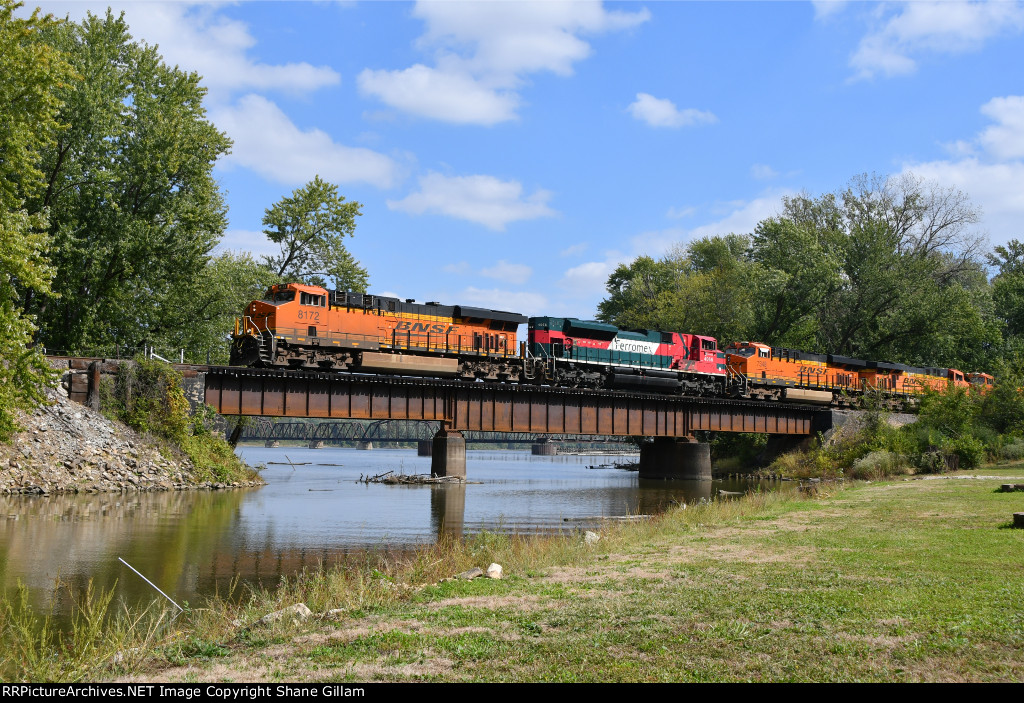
point(459, 407)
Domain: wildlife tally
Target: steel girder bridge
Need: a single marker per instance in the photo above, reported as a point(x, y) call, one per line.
point(394, 431)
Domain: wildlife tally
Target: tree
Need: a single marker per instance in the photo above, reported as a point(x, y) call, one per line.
point(892, 272)
point(636, 292)
point(1008, 285)
point(211, 302)
point(310, 225)
point(31, 73)
point(703, 288)
point(134, 208)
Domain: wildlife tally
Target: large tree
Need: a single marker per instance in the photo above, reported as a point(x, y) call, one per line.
point(134, 208)
point(310, 226)
point(888, 268)
point(31, 74)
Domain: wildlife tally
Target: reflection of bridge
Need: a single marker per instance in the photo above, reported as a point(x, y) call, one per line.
point(390, 431)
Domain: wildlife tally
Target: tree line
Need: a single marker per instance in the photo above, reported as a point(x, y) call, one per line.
point(888, 268)
point(110, 215)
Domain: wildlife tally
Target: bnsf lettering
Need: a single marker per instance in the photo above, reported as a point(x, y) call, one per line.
point(406, 326)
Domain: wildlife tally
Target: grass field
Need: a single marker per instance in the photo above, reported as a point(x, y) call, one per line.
point(909, 580)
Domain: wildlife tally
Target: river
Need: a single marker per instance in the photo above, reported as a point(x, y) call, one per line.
point(313, 511)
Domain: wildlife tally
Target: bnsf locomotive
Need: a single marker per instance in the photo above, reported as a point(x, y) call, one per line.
point(308, 327)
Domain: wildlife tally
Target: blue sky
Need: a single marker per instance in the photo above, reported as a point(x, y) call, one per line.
point(511, 154)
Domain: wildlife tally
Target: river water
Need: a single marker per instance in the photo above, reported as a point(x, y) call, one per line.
point(313, 511)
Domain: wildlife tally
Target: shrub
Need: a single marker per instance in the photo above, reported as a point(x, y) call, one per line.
point(878, 464)
point(969, 450)
point(1013, 451)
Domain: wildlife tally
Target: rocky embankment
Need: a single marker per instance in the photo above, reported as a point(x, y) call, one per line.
point(67, 448)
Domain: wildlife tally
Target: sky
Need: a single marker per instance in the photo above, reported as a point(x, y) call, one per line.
point(511, 154)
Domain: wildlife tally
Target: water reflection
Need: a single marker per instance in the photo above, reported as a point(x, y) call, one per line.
point(311, 514)
point(448, 509)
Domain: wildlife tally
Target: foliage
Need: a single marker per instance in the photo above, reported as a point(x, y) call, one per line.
point(134, 208)
point(884, 269)
point(203, 311)
point(147, 396)
point(31, 75)
point(310, 226)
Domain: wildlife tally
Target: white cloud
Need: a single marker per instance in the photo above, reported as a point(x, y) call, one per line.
point(485, 50)
point(824, 9)
point(515, 274)
point(763, 172)
point(991, 169)
point(586, 283)
point(1006, 139)
point(196, 38)
point(916, 28)
point(448, 96)
point(482, 199)
point(745, 215)
point(267, 142)
point(659, 112)
point(590, 278)
point(512, 301)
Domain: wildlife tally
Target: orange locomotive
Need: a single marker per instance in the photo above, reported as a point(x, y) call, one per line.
point(775, 373)
point(300, 326)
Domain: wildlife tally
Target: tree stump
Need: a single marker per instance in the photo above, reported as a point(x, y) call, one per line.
point(1018, 519)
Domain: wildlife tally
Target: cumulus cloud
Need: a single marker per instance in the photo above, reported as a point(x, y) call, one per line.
point(586, 282)
point(990, 170)
point(660, 112)
point(485, 200)
point(485, 50)
point(447, 96)
point(269, 143)
point(1004, 140)
point(911, 29)
point(196, 37)
point(509, 273)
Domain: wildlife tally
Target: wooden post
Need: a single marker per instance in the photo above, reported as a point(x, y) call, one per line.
point(1018, 519)
point(92, 399)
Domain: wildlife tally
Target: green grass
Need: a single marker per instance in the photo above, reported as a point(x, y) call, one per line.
point(906, 580)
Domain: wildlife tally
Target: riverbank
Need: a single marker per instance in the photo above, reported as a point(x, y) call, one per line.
point(66, 447)
point(905, 580)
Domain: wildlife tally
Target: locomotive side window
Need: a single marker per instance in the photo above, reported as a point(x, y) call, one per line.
point(311, 299)
point(707, 344)
point(764, 353)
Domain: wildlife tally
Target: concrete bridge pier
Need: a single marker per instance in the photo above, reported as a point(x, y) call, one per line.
point(364, 445)
point(669, 458)
point(544, 448)
point(425, 447)
point(448, 454)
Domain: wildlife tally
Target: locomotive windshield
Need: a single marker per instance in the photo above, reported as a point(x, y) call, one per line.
point(743, 351)
point(284, 296)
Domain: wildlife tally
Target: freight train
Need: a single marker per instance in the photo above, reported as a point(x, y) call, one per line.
point(300, 326)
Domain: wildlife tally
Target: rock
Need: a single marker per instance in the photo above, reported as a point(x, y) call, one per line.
point(591, 537)
point(473, 573)
point(297, 613)
point(336, 613)
point(494, 571)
